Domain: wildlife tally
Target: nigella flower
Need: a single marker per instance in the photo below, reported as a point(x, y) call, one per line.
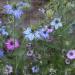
point(13, 10)
point(56, 23)
point(17, 13)
point(8, 9)
point(28, 34)
point(67, 61)
point(71, 54)
point(35, 69)
point(49, 29)
point(44, 34)
point(1, 53)
point(8, 69)
point(3, 31)
point(11, 44)
point(30, 53)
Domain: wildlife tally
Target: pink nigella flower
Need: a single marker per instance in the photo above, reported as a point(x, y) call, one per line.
point(71, 54)
point(11, 44)
point(49, 29)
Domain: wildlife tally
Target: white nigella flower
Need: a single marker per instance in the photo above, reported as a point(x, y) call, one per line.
point(3, 31)
point(67, 61)
point(30, 53)
point(35, 69)
point(27, 31)
point(8, 69)
point(56, 23)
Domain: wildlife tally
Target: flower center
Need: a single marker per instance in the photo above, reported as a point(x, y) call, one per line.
point(11, 43)
point(49, 27)
point(56, 21)
point(71, 53)
point(44, 32)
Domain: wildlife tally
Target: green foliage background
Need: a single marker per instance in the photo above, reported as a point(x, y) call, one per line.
point(53, 54)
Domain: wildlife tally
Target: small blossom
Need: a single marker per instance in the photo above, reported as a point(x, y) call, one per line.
point(42, 10)
point(56, 23)
point(8, 69)
point(71, 54)
point(44, 34)
point(3, 31)
point(67, 61)
point(35, 69)
point(8, 9)
point(30, 53)
point(49, 29)
point(11, 44)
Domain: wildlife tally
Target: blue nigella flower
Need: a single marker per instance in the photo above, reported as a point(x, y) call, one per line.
point(35, 69)
point(8, 9)
point(13, 10)
point(44, 34)
point(3, 31)
point(1, 53)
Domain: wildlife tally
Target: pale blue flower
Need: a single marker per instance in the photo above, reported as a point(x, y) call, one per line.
point(8, 69)
point(56, 23)
point(30, 36)
point(3, 31)
point(35, 69)
point(27, 31)
point(17, 13)
point(8, 9)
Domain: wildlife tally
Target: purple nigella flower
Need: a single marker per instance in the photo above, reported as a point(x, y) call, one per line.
point(1, 53)
point(71, 54)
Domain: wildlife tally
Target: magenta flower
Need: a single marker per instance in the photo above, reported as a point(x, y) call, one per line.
point(11, 44)
point(71, 54)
